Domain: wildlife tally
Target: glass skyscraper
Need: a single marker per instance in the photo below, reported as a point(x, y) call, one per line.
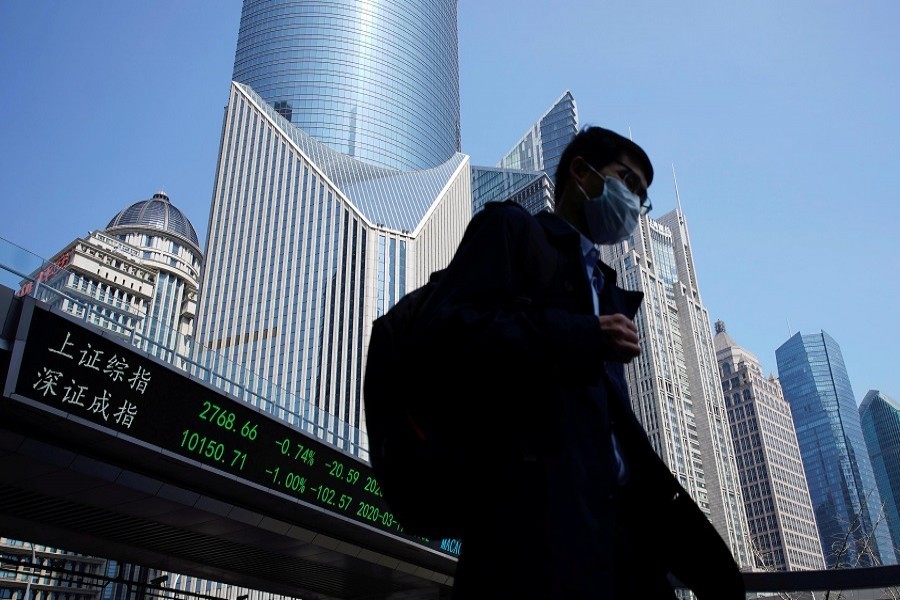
point(880, 418)
point(541, 147)
point(527, 173)
point(338, 189)
point(377, 80)
point(838, 470)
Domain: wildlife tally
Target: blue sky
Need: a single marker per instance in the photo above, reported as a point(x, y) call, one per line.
point(781, 120)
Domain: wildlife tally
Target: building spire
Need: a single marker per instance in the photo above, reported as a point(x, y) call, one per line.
point(677, 195)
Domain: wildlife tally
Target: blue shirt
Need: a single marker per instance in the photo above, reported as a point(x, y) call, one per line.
point(595, 276)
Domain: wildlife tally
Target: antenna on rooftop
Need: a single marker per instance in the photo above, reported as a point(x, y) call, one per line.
point(790, 331)
point(677, 195)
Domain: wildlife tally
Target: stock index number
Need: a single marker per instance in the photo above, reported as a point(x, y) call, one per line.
point(225, 419)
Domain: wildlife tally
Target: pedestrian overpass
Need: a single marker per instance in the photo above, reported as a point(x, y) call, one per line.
point(109, 451)
point(106, 450)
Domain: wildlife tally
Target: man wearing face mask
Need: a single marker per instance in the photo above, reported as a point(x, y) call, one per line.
point(571, 501)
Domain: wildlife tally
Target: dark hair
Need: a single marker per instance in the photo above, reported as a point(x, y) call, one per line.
point(599, 147)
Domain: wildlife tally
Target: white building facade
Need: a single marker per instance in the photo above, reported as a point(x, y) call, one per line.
point(674, 383)
point(138, 277)
point(783, 531)
point(307, 246)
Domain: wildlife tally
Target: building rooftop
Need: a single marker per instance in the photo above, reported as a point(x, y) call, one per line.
point(156, 213)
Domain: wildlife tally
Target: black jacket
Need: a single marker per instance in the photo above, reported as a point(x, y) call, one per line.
point(550, 519)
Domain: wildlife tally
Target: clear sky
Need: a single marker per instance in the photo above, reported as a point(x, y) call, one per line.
point(780, 119)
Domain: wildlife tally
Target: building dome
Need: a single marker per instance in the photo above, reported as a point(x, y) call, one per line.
point(156, 213)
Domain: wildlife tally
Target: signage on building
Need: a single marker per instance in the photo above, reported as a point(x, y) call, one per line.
point(45, 274)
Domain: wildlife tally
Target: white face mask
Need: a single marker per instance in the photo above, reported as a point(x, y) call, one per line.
point(613, 215)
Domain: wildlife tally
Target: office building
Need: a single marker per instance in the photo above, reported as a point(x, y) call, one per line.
point(541, 146)
point(527, 173)
point(879, 415)
point(531, 189)
point(137, 278)
point(316, 229)
point(783, 531)
point(674, 384)
point(376, 80)
point(321, 221)
point(838, 470)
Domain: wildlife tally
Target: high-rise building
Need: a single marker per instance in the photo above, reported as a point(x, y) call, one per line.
point(879, 415)
point(783, 531)
point(376, 80)
point(322, 222)
point(527, 173)
point(542, 146)
point(138, 277)
point(838, 470)
point(674, 384)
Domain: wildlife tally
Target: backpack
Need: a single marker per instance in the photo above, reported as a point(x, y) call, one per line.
point(419, 411)
point(417, 471)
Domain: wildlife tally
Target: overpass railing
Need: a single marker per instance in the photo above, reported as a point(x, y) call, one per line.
point(30, 274)
point(18, 571)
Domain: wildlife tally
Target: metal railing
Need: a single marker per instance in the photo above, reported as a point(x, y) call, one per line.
point(29, 274)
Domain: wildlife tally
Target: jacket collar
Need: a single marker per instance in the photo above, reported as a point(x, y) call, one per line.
point(563, 235)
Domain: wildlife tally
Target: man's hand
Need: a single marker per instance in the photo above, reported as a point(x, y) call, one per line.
point(620, 339)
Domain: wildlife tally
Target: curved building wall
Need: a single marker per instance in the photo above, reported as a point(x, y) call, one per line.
point(377, 80)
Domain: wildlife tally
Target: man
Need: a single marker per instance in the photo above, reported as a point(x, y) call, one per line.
point(572, 501)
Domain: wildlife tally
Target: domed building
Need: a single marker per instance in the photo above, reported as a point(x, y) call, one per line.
point(138, 277)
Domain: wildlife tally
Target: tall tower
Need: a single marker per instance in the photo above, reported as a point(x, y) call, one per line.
point(838, 470)
point(779, 511)
point(377, 80)
point(540, 148)
point(526, 174)
point(674, 383)
point(880, 418)
point(338, 189)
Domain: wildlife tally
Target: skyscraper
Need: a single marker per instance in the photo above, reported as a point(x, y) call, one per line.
point(838, 471)
point(541, 147)
point(527, 173)
point(880, 418)
point(320, 222)
point(674, 383)
point(375, 80)
point(776, 497)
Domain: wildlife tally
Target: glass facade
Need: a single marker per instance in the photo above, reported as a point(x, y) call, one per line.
point(880, 418)
point(531, 189)
point(838, 470)
point(526, 174)
point(376, 80)
point(540, 148)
